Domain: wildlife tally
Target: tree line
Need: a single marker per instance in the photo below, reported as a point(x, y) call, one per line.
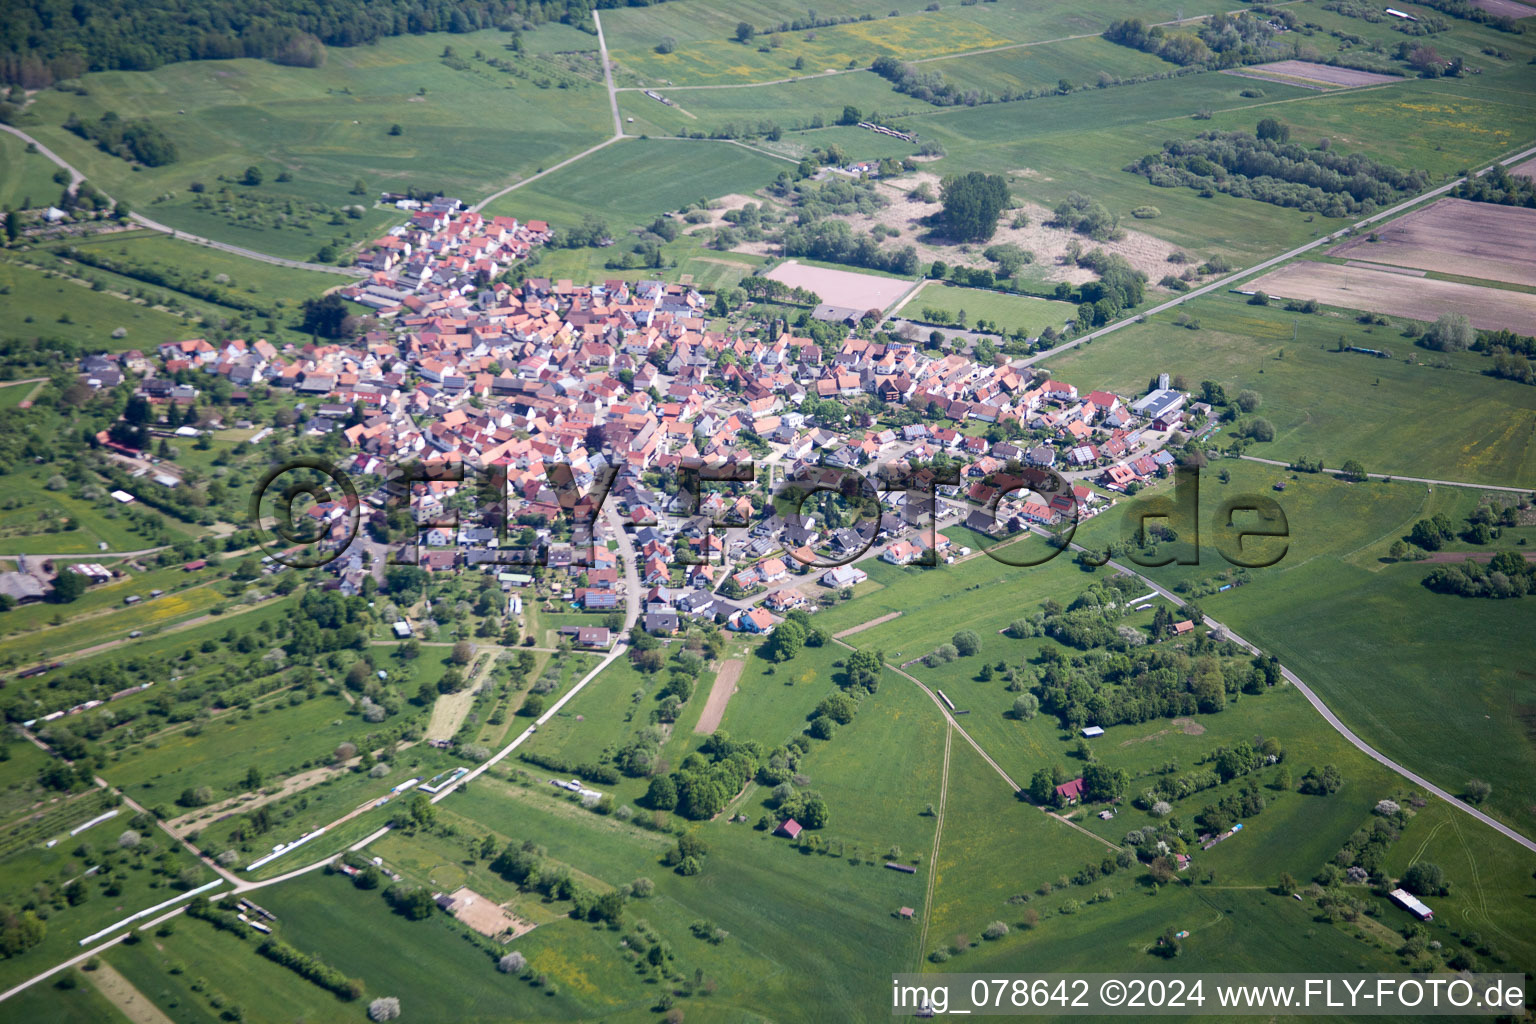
point(44, 41)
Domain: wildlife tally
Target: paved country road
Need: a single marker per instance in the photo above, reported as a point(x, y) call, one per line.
point(75, 178)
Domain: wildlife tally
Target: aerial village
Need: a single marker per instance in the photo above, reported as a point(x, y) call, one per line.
point(467, 372)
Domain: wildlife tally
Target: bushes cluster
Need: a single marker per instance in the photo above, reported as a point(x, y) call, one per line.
point(132, 140)
point(1507, 575)
point(1274, 171)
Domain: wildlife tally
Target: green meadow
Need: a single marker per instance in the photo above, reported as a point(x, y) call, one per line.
point(790, 105)
point(707, 53)
point(659, 177)
point(273, 736)
point(131, 882)
point(26, 179)
point(80, 1003)
point(195, 974)
point(44, 305)
point(266, 285)
point(1008, 312)
point(1404, 415)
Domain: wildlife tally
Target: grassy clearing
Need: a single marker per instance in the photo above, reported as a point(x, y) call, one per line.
point(251, 279)
point(425, 964)
point(984, 824)
point(790, 105)
point(26, 179)
point(81, 1003)
point(1081, 62)
point(466, 130)
point(1329, 404)
point(273, 736)
point(185, 971)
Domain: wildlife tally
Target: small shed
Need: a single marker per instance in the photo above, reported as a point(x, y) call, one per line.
point(402, 629)
point(1093, 730)
point(905, 913)
point(1411, 903)
point(790, 829)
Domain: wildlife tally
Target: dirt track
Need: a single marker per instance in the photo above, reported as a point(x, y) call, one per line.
point(719, 696)
point(871, 624)
point(121, 994)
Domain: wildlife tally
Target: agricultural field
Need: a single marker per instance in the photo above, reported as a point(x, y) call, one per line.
point(43, 304)
point(770, 815)
point(468, 128)
point(25, 175)
point(1325, 403)
point(842, 287)
point(1337, 606)
point(659, 177)
point(127, 880)
point(1454, 236)
point(704, 50)
point(1323, 75)
point(1364, 287)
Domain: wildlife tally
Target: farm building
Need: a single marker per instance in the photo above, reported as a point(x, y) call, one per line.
point(1411, 903)
point(790, 829)
point(846, 315)
point(1072, 791)
point(93, 571)
point(21, 587)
